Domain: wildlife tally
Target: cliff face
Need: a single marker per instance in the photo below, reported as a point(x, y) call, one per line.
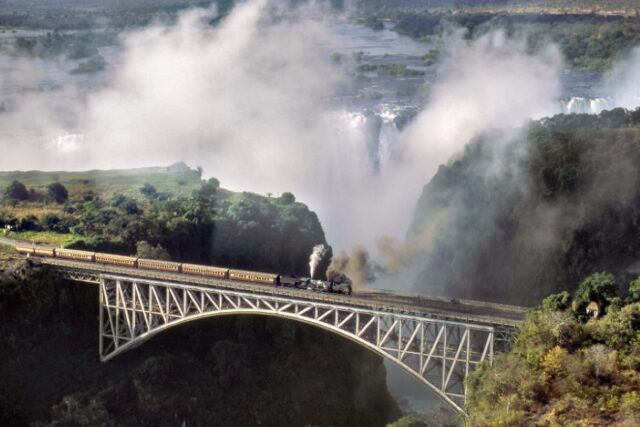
point(222, 371)
point(515, 218)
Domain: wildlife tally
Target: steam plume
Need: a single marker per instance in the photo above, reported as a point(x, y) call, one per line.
point(356, 266)
point(319, 251)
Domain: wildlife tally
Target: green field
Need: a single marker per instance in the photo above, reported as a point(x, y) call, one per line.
point(174, 180)
point(45, 237)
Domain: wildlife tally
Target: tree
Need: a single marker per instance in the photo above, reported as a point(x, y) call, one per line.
point(556, 302)
point(287, 198)
point(145, 250)
point(599, 287)
point(17, 191)
point(634, 290)
point(149, 190)
point(58, 192)
point(30, 223)
point(131, 207)
point(118, 200)
point(49, 222)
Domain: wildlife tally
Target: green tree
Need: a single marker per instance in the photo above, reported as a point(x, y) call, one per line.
point(149, 190)
point(30, 223)
point(146, 250)
point(634, 290)
point(599, 287)
point(556, 302)
point(49, 222)
point(58, 192)
point(287, 198)
point(17, 191)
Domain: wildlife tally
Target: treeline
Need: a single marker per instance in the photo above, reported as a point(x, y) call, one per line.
point(569, 365)
point(80, 45)
point(90, 14)
point(519, 220)
point(586, 41)
point(16, 192)
point(213, 226)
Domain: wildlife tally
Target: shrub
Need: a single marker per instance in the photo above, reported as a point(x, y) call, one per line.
point(634, 291)
point(17, 191)
point(556, 302)
point(146, 250)
point(599, 287)
point(58, 192)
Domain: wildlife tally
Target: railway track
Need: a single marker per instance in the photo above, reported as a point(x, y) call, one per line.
point(460, 310)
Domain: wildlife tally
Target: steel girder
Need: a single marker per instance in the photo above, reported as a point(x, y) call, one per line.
point(438, 352)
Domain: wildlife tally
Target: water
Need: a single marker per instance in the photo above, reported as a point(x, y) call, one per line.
point(375, 107)
point(414, 397)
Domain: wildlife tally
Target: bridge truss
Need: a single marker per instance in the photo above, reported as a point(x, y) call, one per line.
point(439, 352)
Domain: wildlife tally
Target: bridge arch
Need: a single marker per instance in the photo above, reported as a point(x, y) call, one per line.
point(440, 353)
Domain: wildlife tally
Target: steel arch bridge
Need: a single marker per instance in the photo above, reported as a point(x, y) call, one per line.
point(439, 352)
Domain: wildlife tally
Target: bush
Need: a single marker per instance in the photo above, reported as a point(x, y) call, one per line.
point(17, 191)
point(556, 302)
point(599, 287)
point(145, 250)
point(49, 222)
point(29, 223)
point(58, 192)
point(287, 198)
point(634, 291)
point(149, 190)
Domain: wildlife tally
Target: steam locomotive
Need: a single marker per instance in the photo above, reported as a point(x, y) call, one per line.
point(343, 286)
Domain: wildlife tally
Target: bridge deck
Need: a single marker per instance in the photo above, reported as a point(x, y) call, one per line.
point(498, 315)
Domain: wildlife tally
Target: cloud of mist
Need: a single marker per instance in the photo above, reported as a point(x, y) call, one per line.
point(623, 82)
point(252, 100)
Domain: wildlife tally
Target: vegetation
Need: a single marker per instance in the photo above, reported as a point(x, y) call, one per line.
point(88, 14)
point(16, 191)
point(392, 69)
point(58, 192)
point(47, 237)
point(291, 374)
point(80, 45)
point(523, 219)
point(166, 212)
point(587, 41)
point(566, 368)
point(50, 371)
point(92, 65)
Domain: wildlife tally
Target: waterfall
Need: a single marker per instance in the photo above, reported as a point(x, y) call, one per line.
point(582, 105)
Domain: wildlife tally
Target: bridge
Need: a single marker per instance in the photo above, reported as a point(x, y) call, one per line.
point(439, 341)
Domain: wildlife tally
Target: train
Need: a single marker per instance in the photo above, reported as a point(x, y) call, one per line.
point(222, 273)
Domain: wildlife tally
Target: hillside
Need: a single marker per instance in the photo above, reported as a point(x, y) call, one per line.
point(227, 371)
point(178, 214)
point(513, 219)
point(567, 368)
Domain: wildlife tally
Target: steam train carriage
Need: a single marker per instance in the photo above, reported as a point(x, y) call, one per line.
point(154, 264)
point(175, 267)
point(253, 276)
point(206, 270)
point(48, 252)
point(75, 255)
point(126, 261)
point(27, 250)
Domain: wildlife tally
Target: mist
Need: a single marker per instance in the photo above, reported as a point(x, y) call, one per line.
point(252, 101)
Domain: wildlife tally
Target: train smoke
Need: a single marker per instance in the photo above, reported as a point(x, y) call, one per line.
point(319, 251)
point(357, 266)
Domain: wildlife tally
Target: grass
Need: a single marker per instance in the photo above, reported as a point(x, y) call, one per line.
point(106, 183)
point(37, 209)
point(8, 257)
point(174, 180)
point(47, 237)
